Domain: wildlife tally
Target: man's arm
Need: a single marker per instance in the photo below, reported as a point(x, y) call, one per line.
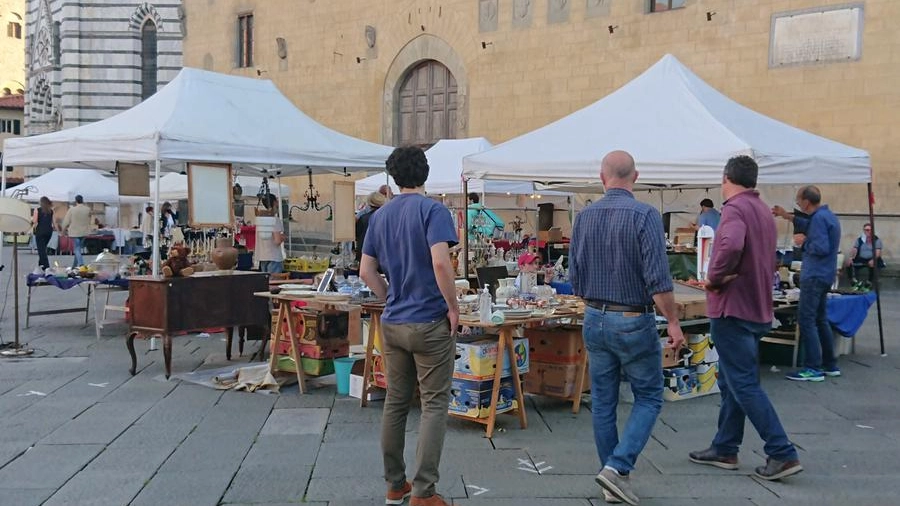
point(446, 280)
point(665, 303)
point(728, 248)
point(368, 271)
point(816, 241)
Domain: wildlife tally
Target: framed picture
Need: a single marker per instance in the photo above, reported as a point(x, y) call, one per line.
point(343, 224)
point(134, 179)
point(209, 195)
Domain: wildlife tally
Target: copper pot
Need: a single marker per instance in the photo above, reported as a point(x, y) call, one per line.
point(224, 255)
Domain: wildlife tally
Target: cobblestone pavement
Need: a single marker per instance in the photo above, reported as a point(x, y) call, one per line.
point(76, 428)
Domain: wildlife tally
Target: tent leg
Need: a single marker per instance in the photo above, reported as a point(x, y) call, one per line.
point(465, 232)
point(156, 216)
point(875, 280)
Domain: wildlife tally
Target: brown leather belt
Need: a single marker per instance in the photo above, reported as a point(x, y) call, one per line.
point(602, 305)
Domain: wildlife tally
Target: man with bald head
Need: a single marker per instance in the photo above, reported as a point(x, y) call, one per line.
point(618, 266)
point(820, 243)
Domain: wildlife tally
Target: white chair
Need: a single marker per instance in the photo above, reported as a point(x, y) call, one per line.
point(840, 266)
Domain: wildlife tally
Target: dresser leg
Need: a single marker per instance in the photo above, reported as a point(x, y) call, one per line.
point(167, 354)
point(229, 332)
point(129, 342)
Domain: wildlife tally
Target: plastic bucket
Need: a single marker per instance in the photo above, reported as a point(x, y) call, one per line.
point(342, 368)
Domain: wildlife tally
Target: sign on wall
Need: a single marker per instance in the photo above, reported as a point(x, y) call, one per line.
point(816, 36)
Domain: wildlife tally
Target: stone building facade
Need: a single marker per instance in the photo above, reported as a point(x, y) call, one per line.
point(411, 72)
point(12, 47)
point(88, 61)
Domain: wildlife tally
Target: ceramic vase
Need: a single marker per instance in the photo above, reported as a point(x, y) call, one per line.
point(224, 255)
point(506, 290)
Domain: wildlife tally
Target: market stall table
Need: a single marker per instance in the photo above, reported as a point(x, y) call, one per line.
point(165, 306)
point(36, 281)
point(285, 321)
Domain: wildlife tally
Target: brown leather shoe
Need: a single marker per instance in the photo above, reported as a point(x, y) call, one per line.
point(709, 457)
point(777, 469)
point(434, 500)
point(398, 496)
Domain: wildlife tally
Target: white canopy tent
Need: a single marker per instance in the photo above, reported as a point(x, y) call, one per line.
point(445, 172)
point(680, 131)
point(202, 116)
point(174, 186)
point(61, 185)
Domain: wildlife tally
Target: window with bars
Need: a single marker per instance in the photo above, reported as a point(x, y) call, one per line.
point(14, 30)
point(245, 40)
point(665, 5)
point(149, 66)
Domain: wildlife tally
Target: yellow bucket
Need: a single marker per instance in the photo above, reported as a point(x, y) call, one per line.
point(707, 374)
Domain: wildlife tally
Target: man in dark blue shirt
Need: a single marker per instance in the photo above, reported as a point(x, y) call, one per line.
point(618, 266)
point(820, 243)
point(409, 238)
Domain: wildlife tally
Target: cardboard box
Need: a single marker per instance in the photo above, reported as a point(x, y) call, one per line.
point(477, 359)
point(684, 382)
point(555, 345)
point(555, 380)
point(311, 366)
point(356, 383)
point(554, 234)
point(690, 306)
point(471, 397)
point(313, 327)
point(684, 236)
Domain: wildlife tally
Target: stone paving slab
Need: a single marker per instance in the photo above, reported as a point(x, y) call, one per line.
point(25, 496)
point(197, 488)
point(296, 422)
point(268, 482)
point(100, 488)
point(101, 423)
point(202, 452)
point(478, 501)
point(33, 469)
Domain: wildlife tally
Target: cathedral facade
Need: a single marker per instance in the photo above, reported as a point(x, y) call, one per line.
point(87, 62)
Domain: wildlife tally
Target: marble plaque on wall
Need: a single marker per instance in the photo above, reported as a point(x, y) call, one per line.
point(558, 11)
point(488, 13)
point(522, 12)
point(597, 8)
point(819, 36)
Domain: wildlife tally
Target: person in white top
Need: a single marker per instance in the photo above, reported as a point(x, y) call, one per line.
point(269, 237)
point(77, 225)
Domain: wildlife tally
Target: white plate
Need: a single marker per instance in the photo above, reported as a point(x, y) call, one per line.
point(297, 293)
point(516, 313)
point(332, 297)
point(294, 286)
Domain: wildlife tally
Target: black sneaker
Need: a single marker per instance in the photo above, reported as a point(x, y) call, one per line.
point(709, 457)
point(777, 469)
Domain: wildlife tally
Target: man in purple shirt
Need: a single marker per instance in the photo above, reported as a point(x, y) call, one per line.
point(739, 305)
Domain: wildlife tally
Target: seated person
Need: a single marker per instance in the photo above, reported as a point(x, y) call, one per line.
point(528, 263)
point(865, 254)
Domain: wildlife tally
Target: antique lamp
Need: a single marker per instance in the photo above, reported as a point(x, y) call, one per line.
point(15, 218)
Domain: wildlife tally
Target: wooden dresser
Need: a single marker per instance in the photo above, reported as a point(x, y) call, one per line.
point(163, 306)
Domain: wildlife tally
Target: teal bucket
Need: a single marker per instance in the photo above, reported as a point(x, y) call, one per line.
point(342, 368)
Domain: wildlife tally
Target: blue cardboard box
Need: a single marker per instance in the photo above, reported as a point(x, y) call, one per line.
point(472, 397)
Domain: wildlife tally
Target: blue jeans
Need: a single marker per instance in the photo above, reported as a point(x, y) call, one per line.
point(737, 342)
point(271, 267)
point(77, 245)
point(815, 331)
point(615, 344)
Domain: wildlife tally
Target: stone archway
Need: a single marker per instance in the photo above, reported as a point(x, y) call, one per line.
point(422, 48)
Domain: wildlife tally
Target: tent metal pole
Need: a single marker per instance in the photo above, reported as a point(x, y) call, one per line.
point(156, 216)
point(875, 280)
point(3, 194)
point(278, 182)
point(465, 232)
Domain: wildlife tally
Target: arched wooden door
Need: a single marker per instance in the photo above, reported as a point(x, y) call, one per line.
point(427, 105)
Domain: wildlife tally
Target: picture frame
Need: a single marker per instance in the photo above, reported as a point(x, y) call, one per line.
point(343, 222)
point(134, 179)
point(209, 195)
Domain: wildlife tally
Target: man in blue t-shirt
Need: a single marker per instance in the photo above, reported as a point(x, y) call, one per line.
point(410, 238)
point(708, 215)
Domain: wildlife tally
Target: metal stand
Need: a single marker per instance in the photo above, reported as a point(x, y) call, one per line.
point(17, 350)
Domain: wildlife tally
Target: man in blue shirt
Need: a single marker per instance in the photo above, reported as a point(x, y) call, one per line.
point(708, 215)
point(618, 266)
point(410, 239)
point(820, 243)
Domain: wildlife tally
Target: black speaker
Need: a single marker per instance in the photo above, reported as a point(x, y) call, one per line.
point(545, 216)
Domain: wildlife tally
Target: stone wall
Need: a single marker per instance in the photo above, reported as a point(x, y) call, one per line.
point(530, 62)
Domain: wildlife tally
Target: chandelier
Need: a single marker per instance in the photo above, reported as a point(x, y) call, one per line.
point(312, 200)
